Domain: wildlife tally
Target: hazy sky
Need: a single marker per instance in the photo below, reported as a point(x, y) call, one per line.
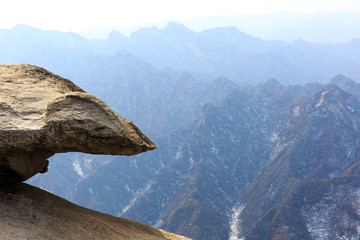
point(74, 15)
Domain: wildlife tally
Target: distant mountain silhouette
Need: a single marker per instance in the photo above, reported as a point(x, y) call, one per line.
point(212, 53)
point(318, 27)
point(240, 57)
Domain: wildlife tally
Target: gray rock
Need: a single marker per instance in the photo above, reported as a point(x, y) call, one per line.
point(42, 114)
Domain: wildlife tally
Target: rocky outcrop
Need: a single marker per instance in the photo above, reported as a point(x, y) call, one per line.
point(42, 114)
point(27, 212)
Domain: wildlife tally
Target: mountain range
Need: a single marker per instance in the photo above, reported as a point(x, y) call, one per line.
point(256, 139)
point(208, 54)
point(317, 27)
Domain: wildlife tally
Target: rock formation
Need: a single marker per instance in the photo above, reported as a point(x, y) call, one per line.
point(27, 212)
point(42, 114)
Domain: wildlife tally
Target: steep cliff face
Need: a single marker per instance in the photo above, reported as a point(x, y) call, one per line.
point(319, 142)
point(263, 163)
point(315, 209)
point(203, 169)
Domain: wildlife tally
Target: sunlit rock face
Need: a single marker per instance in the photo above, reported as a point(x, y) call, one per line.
point(32, 213)
point(43, 114)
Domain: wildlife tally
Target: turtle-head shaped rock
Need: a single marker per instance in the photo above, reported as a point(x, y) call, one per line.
point(43, 114)
point(81, 122)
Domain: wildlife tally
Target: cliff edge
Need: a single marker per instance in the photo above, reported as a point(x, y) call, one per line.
point(27, 212)
point(42, 114)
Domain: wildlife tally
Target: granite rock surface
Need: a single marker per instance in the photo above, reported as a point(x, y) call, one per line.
point(27, 212)
point(42, 114)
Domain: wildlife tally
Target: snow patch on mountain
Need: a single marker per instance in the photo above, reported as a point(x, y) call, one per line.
point(138, 194)
point(318, 216)
point(235, 222)
point(78, 169)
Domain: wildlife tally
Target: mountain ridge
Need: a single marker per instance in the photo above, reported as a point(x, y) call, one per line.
point(285, 26)
point(197, 53)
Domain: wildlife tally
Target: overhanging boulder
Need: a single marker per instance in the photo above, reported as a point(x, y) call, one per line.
point(42, 114)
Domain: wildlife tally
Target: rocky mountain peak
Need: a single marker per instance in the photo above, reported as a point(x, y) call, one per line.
point(145, 32)
point(24, 28)
point(269, 88)
point(347, 84)
point(272, 84)
point(334, 100)
point(314, 146)
point(338, 78)
point(115, 35)
point(174, 26)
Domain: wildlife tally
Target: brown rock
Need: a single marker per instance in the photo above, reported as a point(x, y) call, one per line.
point(27, 212)
point(42, 114)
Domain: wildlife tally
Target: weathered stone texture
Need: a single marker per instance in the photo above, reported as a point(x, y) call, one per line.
point(42, 114)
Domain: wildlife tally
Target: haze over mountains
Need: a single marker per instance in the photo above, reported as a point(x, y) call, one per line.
point(319, 27)
point(256, 139)
point(212, 53)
